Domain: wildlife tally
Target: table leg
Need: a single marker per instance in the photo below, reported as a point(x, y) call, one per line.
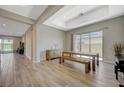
point(89, 67)
point(97, 59)
point(60, 60)
point(93, 63)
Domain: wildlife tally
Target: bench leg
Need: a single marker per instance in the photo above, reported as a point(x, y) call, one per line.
point(60, 60)
point(89, 66)
point(86, 68)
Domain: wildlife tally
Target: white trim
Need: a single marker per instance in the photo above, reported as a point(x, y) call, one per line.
point(108, 61)
point(28, 57)
point(15, 17)
point(36, 61)
point(43, 59)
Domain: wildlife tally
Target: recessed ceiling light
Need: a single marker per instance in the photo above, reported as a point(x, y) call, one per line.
point(3, 25)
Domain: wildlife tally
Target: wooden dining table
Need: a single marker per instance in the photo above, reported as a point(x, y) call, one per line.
point(94, 57)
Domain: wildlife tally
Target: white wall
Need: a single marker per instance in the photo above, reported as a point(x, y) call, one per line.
point(47, 38)
point(16, 42)
point(23, 38)
point(28, 46)
point(113, 33)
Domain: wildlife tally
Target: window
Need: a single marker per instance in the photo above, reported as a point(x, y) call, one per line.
point(88, 43)
point(76, 41)
point(96, 42)
point(6, 45)
point(85, 41)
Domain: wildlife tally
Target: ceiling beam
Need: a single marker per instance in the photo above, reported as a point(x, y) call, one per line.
point(51, 9)
point(16, 17)
point(9, 36)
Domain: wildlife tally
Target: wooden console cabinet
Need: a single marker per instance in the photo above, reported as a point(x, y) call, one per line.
point(52, 54)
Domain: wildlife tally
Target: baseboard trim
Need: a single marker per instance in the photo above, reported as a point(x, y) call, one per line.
point(36, 61)
point(39, 60)
point(42, 59)
point(108, 61)
point(28, 57)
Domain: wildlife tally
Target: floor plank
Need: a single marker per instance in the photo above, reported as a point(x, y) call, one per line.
point(17, 71)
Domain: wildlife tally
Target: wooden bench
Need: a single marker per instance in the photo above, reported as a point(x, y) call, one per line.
point(67, 55)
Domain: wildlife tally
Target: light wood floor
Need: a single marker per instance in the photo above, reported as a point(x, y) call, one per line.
point(17, 71)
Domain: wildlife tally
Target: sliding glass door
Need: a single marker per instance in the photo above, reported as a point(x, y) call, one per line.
point(85, 41)
point(96, 42)
point(91, 42)
point(76, 41)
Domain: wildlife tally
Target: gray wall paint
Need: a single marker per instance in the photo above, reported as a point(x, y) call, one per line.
point(113, 31)
point(47, 37)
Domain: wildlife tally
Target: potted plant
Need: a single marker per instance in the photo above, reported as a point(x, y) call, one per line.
point(21, 48)
point(118, 49)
